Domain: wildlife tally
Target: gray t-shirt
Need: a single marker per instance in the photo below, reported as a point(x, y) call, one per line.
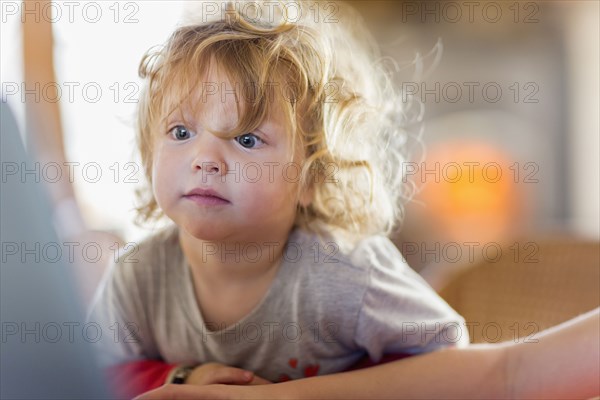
point(323, 312)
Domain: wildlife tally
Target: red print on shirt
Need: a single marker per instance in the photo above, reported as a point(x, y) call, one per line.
point(309, 370)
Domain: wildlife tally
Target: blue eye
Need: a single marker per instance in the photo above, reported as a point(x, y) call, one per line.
point(248, 140)
point(180, 132)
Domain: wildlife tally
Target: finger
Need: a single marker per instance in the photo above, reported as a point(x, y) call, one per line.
point(260, 381)
point(229, 375)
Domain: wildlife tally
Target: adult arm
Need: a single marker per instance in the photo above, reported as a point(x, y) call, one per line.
point(564, 363)
point(440, 374)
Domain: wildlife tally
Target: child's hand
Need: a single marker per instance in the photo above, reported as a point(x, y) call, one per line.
point(213, 373)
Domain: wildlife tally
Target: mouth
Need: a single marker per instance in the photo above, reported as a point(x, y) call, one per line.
point(206, 197)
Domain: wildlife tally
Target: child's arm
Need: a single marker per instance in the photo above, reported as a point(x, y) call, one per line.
point(563, 364)
point(131, 379)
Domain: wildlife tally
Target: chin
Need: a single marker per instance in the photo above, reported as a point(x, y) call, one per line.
point(204, 232)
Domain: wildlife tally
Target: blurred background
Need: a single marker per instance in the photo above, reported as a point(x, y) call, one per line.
point(508, 148)
point(511, 126)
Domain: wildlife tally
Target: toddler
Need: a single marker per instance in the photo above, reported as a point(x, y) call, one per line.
point(274, 149)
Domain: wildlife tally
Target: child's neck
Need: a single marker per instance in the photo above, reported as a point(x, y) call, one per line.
point(232, 263)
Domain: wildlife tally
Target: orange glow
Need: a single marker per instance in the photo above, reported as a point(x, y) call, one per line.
point(470, 190)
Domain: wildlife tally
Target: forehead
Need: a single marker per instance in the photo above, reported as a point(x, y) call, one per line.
point(218, 101)
point(214, 102)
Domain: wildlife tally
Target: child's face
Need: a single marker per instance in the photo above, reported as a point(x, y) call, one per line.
point(248, 172)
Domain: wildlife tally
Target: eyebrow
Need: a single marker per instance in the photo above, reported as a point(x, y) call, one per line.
point(269, 129)
point(177, 115)
point(264, 133)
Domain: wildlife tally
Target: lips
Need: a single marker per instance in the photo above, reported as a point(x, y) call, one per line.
point(206, 197)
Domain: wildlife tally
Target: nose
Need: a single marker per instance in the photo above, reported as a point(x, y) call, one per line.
point(210, 167)
point(209, 155)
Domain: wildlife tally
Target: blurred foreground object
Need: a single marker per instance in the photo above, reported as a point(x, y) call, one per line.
point(46, 143)
point(46, 348)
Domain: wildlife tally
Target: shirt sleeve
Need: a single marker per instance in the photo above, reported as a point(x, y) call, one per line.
point(400, 312)
point(117, 313)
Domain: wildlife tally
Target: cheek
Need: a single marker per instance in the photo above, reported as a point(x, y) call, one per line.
point(162, 176)
point(274, 196)
point(157, 182)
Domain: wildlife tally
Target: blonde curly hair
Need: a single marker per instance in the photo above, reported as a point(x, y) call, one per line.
point(342, 110)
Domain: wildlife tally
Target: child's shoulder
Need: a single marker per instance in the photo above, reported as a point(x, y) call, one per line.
point(331, 254)
point(341, 280)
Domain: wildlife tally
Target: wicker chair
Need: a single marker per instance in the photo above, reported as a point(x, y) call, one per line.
point(512, 299)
